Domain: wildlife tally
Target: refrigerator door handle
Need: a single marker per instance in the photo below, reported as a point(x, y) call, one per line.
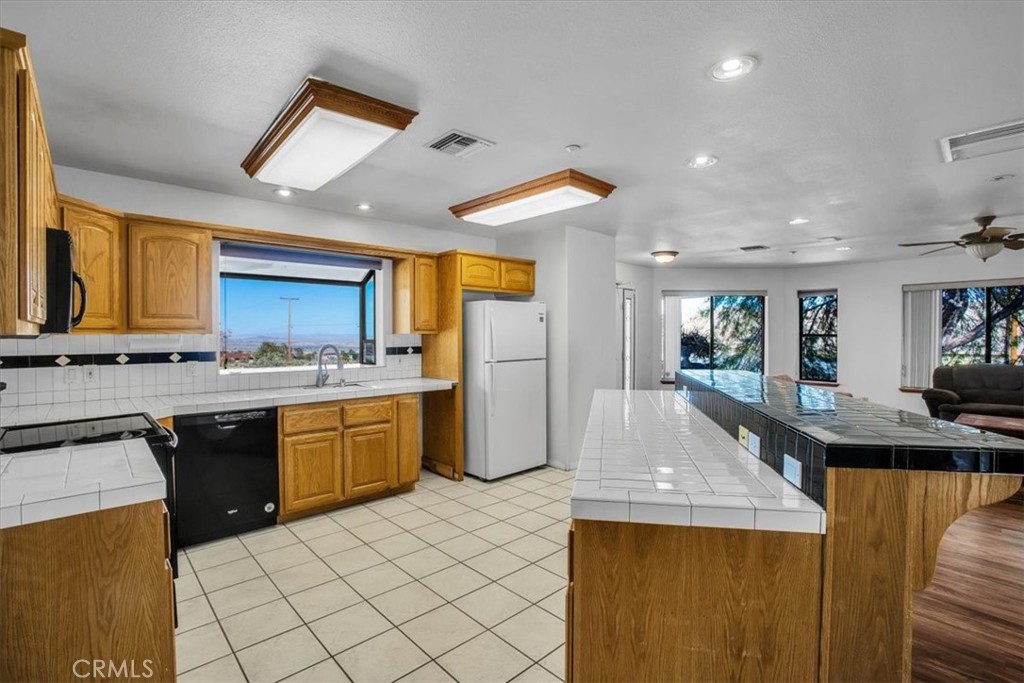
point(490, 370)
point(490, 336)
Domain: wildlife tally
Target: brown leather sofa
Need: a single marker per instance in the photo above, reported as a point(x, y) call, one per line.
point(981, 389)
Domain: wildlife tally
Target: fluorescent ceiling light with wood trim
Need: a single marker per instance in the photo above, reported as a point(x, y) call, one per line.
point(556, 192)
point(322, 132)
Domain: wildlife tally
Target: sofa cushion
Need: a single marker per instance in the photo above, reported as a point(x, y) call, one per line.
point(950, 411)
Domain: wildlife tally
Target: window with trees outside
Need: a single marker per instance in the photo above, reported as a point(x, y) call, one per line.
point(713, 331)
point(819, 355)
point(278, 306)
point(983, 325)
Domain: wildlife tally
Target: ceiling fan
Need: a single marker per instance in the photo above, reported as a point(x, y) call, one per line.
point(984, 243)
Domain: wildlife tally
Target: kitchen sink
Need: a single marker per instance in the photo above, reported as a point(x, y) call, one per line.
point(347, 385)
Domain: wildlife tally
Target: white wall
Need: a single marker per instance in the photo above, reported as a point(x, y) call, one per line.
point(648, 323)
point(131, 195)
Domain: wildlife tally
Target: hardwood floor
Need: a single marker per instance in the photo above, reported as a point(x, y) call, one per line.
point(969, 623)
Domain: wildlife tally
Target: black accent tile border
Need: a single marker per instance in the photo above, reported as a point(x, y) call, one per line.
point(404, 350)
point(134, 358)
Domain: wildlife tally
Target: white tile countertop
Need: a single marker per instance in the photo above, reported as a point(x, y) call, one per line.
point(650, 457)
point(60, 482)
point(190, 404)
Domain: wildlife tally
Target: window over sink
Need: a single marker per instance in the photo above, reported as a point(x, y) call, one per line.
point(278, 306)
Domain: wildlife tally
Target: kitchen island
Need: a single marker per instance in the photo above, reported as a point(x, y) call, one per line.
point(694, 557)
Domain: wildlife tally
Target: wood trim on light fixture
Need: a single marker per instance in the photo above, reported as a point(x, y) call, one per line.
point(315, 93)
point(569, 177)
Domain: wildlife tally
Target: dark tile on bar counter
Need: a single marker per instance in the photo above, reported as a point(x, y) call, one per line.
point(880, 457)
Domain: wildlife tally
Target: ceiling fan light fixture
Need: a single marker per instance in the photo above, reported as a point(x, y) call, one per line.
point(984, 250)
point(556, 192)
point(664, 256)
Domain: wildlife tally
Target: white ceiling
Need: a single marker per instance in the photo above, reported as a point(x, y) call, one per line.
point(839, 124)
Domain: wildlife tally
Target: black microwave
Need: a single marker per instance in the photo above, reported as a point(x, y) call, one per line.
point(61, 280)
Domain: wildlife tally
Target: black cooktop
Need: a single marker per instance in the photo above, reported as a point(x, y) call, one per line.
point(37, 437)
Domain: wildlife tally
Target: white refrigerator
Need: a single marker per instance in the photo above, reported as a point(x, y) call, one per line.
point(505, 387)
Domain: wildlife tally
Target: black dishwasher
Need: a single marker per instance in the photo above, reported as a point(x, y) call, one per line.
point(226, 474)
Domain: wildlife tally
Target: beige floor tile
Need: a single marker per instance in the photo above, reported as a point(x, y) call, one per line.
point(504, 491)
point(479, 499)
point(532, 547)
point(555, 603)
point(390, 507)
point(428, 673)
point(414, 519)
point(532, 583)
point(328, 544)
point(503, 510)
point(324, 599)
point(350, 561)
point(557, 563)
point(529, 501)
point(496, 563)
point(491, 604)
point(438, 531)
point(464, 547)
point(455, 581)
point(536, 674)
point(223, 670)
point(199, 646)
point(474, 519)
point(460, 490)
point(186, 587)
point(398, 545)
point(351, 626)
point(243, 596)
point(554, 491)
point(530, 520)
point(556, 510)
point(303, 576)
point(485, 659)
point(283, 558)
point(533, 632)
point(555, 662)
point(184, 566)
point(424, 498)
point(424, 562)
point(383, 659)
point(326, 671)
point(313, 527)
point(229, 574)
point(436, 483)
point(259, 623)
point(500, 533)
point(442, 629)
point(378, 579)
point(406, 602)
point(374, 531)
point(354, 516)
point(194, 613)
point(265, 540)
point(215, 553)
point(281, 656)
point(530, 484)
point(556, 533)
point(554, 475)
point(448, 509)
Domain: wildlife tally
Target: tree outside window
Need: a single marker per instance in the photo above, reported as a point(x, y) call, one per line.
point(722, 333)
point(819, 355)
point(983, 325)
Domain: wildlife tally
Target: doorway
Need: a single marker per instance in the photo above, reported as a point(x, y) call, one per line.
point(626, 318)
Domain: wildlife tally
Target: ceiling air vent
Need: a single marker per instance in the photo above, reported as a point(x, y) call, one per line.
point(459, 144)
point(980, 143)
point(755, 247)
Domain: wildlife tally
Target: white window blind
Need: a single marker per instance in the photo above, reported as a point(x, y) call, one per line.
point(922, 337)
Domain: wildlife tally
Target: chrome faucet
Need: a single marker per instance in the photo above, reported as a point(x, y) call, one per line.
point(321, 372)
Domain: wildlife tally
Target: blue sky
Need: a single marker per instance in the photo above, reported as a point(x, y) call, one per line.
point(254, 308)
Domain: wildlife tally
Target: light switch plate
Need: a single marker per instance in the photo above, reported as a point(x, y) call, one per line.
point(90, 373)
point(754, 444)
point(191, 368)
point(744, 435)
point(792, 470)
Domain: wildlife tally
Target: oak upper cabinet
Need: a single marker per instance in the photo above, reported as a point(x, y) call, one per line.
point(29, 192)
point(414, 281)
point(480, 272)
point(517, 276)
point(499, 274)
point(311, 469)
point(407, 437)
point(99, 243)
point(169, 278)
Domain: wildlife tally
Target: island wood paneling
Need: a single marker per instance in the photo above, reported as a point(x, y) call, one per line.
point(91, 586)
point(676, 603)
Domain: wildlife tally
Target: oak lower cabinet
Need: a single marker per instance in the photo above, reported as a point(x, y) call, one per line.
point(169, 278)
point(338, 452)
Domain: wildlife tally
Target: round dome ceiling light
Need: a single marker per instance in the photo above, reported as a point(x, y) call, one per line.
point(799, 221)
point(702, 161)
point(844, 248)
point(283, 192)
point(664, 256)
point(733, 68)
point(984, 250)
point(364, 206)
point(572, 149)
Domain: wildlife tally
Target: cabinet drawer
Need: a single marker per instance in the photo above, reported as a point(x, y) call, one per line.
point(310, 418)
point(516, 277)
point(366, 412)
point(480, 272)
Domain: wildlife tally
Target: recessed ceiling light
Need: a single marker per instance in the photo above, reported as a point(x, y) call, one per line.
point(830, 239)
point(799, 221)
point(556, 192)
point(702, 161)
point(664, 256)
point(571, 149)
point(283, 192)
point(843, 248)
point(732, 68)
point(364, 206)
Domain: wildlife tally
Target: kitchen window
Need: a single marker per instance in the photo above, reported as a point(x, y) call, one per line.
point(278, 306)
point(718, 331)
point(819, 317)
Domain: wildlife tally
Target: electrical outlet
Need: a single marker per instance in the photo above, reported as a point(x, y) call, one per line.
point(191, 368)
point(72, 375)
point(91, 374)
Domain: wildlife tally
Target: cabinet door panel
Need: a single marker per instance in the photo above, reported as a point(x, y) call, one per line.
point(366, 412)
point(407, 424)
point(517, 277)
point(98, 255)
point(169, 278)
point(425, 295)
point(370, 464)
point(310, 418)
point(311, 471)
point(480, 272)
point(37, 201)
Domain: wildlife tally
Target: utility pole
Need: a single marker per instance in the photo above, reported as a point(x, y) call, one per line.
point(289, 299)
